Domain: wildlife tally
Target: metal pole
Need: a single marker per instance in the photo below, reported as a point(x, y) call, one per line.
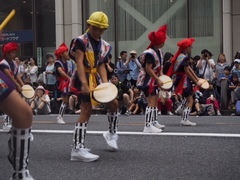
point(34, 28)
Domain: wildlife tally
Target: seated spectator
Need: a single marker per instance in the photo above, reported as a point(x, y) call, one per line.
point(234, 85)
point(134, 108)
point(200, 107)
point(125, 94)
point(41, 102)
point(236, 68)
point(165, 102)
point(211, 95)
point(73, 104)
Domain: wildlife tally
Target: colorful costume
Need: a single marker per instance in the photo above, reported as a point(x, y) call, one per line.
point(148, 83)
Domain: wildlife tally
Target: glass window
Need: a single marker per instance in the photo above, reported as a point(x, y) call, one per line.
point(186, 18)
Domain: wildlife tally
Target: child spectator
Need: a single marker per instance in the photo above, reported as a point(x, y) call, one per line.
point(211, 95)
point(134, 107)
point(165, 102)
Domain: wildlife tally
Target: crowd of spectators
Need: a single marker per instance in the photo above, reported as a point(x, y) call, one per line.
point(124, 74)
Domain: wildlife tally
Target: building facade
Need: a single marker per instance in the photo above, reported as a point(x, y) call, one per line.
point(213, 23)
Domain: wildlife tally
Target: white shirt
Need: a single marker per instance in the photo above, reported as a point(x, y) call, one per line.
point(208, 75)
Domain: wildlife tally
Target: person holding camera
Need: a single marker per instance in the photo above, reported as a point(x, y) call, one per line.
point(206, 65)
point(134, 66)
point(122, 68)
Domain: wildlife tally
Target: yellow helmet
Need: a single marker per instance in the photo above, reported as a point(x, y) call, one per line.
point(98, 19)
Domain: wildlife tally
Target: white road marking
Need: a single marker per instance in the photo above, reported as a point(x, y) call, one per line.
point(142, 134)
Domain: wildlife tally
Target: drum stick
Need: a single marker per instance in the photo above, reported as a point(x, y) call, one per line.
point(27, 90)
point(7, 19)
point(167, 82)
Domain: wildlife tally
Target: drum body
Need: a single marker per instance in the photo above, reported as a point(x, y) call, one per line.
point(167, 82)
point(28, 91)
point(105, 92)
point(205, 84)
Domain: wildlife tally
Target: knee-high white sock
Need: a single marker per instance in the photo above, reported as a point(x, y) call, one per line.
point(113, 122)
point(79, 135)
point(155, 114)
point(148, 115)
point(186, 113)
point(62, 109)
point(19, 145)
point(7, 119)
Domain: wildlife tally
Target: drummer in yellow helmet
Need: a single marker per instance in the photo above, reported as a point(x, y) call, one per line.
point(90, 53)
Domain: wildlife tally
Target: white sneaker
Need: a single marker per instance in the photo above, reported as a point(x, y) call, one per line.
point(31, 137)
point(26, 176)
point(6, 127)
point(157, 125)
point(83, 154)
point(111, 140)
point(60, 120)
point(159, 113)
point(187, 123)
point(151, 129)
point(170, 113)
point(219, 113)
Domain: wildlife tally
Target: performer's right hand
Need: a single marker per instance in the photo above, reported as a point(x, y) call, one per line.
point(160, 83)
point(19, 88)
point(199, 83)
point(85, 88)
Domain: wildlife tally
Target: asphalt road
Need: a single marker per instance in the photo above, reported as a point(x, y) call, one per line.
point(209, 151)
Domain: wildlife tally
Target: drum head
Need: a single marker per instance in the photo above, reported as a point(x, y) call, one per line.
point(205, 84)
point(167, 82)
point(105, 92)
point(27, 91)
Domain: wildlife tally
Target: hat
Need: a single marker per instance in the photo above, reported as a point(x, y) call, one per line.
point(133, 52)
point(237, 60)
point(12, 46)
point(183, 44)
point(98, 19)
point(61, 49)
point(157, 37)
point(40, 88)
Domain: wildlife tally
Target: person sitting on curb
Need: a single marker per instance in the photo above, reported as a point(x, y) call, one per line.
point(41, 102)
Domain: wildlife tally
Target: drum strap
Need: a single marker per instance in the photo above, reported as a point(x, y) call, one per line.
point(18, 145)
point(79, 135)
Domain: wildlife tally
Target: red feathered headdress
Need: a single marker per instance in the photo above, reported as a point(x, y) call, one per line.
point(183, 44)
point(61, 49)
point(12, 46)
point(157, 37)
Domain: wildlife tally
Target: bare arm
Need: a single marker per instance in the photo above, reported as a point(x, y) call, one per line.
point(60, 70)
point(79, 55)
point(190, 74)
point(102, 72)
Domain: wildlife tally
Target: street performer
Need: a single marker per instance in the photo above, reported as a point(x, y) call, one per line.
point(14, 106)
point(91, 53)
point(148, 78)
point(64, 70)
point(10, 68)
point(183, 77)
